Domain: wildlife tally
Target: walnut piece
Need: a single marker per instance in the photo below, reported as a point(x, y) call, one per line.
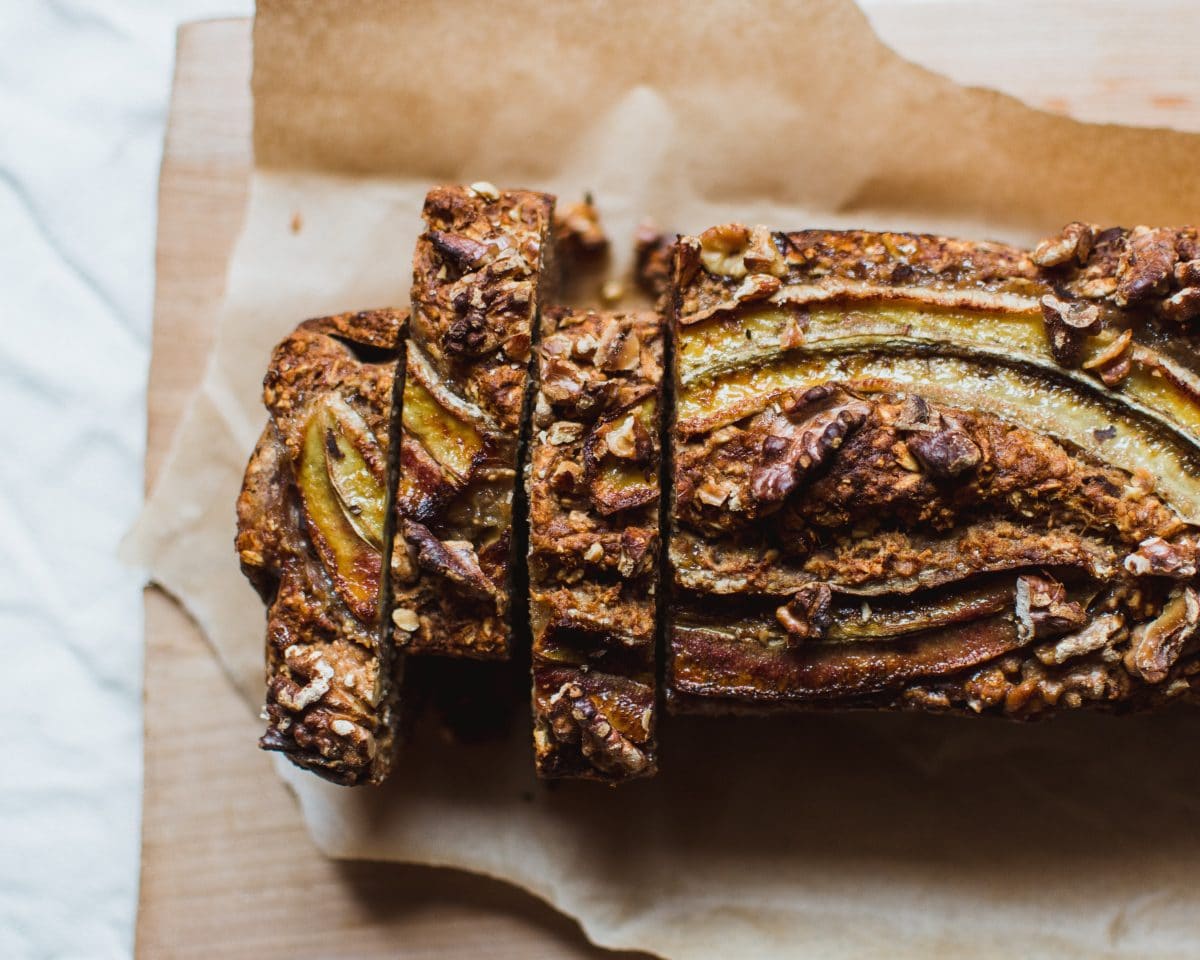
point(1073, 243)
point(1155, 646)
point(723, 249)
point(806, 616)
point(575, 718)
point(1043, 610)
point(1067, 321)
point(945, 452)
point(1146, 265)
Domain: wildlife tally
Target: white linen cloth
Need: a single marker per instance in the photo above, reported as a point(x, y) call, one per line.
point(83, 96)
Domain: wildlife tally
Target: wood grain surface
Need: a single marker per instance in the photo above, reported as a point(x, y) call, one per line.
point(227, 868)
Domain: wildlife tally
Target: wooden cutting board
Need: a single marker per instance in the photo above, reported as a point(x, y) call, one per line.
point(227, 868)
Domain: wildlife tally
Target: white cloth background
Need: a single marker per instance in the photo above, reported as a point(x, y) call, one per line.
point(83, 98)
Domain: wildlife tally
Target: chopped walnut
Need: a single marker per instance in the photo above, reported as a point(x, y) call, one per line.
point(1067, 321)
point(723, 248)
point(1095, 636)
point(1043, 610)
point(462, 253)
point(653, 251)
point(806, 616)
point(946, 452)
point(575, 718)
point(1155, 646)
point(1146, 265)
point(563, 432)
point(1074, 243)
point(1156, 557)
point(1115, 362)
point(578, 234)
point(803, 438)
point(1187, 273)
point(618, 347)
point(762, 256)
point(757, 286)
point(566, 478)
point(1182, 306)
point(454, 560)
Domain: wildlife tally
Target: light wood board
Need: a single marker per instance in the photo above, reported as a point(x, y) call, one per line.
point(227, 868)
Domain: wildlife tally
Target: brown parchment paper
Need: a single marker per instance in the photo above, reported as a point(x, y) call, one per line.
point(825, 836)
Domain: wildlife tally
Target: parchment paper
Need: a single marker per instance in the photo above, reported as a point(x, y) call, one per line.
point(824, 836)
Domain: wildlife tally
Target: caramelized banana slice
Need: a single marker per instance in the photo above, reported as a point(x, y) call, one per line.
point(710, 662)
point(357, 469)
point(1089, 419)
point(348, 555)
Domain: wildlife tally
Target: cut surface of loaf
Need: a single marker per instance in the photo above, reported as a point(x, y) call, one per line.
point(593, 494)
point(926, 473)
point(480, 273)
point(311, 520)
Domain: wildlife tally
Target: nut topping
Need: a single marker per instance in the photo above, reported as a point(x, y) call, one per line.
point(1146, 266)
point(1043, 610)
point(723, 248)
point(1066, 323)
point(1074, 243)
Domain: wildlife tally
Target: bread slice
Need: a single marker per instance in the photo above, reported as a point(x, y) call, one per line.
point(910, 471)
point(480, 272)
point(311, 539)
point(593, 491)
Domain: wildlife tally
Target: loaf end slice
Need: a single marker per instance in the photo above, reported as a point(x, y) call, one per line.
point(311, 518)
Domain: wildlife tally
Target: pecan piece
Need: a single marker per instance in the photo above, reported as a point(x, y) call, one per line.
point(1155, 646)
point(1073, 243)
point(806, 616)
point(454, 560)
point(945, 452)
point(1066, 323)
point(1146, 265)
point(1043, 610)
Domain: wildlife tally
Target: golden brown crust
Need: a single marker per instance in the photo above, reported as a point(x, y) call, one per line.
point(593, 495)
point(479, 275)
point(310, 540)
point(817, 474)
